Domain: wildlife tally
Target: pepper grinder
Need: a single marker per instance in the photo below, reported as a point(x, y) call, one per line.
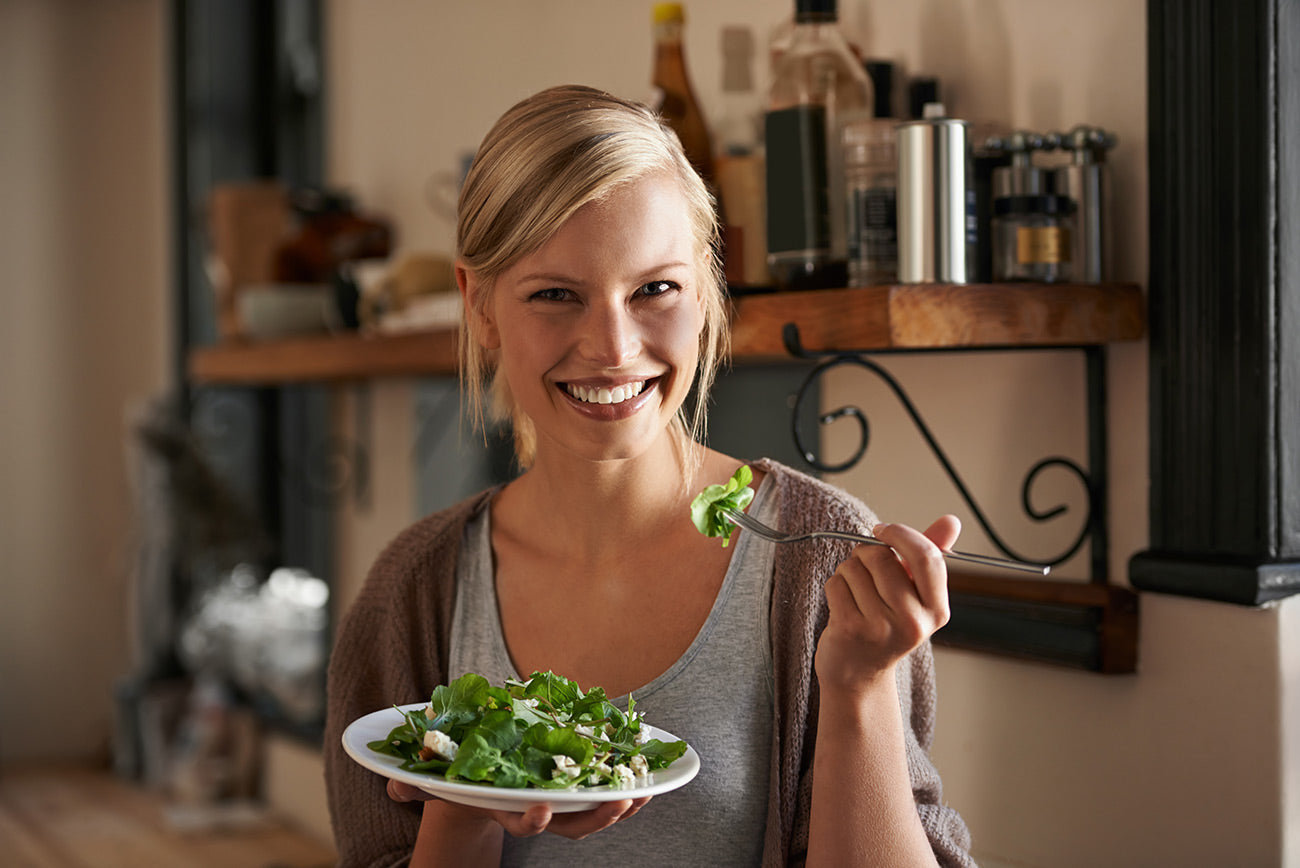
point(1021, 177)
point(1084, 179)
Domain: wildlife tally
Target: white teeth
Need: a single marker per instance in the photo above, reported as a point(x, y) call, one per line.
point(605, 395)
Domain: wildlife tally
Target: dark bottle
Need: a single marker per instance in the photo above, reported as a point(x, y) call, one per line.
point(677, 101)
point(817, 83)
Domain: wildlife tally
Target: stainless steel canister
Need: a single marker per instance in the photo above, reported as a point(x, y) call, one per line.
point(936, 207)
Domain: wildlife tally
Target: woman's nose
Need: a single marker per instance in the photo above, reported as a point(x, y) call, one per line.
point(612, 337)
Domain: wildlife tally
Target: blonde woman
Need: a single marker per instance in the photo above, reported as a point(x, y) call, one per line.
point(802, 674)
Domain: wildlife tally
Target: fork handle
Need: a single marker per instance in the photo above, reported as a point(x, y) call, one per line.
point(982, 560)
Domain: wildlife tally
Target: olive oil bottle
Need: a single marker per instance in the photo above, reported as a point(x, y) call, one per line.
point(817, 84)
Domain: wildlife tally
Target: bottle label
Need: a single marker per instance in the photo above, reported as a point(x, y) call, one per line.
point(873, 230)
point(1042, 245)
point(798, 218)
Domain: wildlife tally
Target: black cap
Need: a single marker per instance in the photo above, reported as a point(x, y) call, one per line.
point(882, 82)
point(1046, 203)
point(919, 92)
point(816, 10)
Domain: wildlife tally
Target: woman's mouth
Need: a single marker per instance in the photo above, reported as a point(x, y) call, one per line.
point(605, 394)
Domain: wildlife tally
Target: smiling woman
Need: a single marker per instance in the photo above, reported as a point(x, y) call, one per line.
point(802, 677)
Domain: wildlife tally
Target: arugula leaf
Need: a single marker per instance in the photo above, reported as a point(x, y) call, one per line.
point(476, 760)
point(706, 508)
point(560, 741)
point(459, 702)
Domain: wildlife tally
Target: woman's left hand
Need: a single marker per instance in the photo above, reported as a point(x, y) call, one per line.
point(884, 602)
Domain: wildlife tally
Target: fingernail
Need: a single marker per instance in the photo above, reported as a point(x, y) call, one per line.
point(883, 526)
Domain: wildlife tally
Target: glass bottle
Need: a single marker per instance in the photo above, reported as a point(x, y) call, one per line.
point(739, 163)
point(871, 200)
point(676, 98)
point(818, 82)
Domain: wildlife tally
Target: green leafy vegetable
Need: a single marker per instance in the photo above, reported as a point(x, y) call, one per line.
point(706, 508)
point(544, 732)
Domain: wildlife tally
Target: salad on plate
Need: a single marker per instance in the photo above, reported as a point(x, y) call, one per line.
point(545, 732)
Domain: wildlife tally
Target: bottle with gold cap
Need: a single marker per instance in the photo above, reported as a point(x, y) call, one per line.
point(676, 98)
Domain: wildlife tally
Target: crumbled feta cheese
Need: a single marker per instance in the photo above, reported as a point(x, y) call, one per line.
point(441, 744)
point(584, 730)
point(565, 767)
point(639, 766)
point(623, 776)
point(642, 736)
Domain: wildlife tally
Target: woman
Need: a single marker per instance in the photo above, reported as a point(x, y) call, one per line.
point(594, 303)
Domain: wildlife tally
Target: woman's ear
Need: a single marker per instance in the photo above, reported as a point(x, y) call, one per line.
point(482, 326)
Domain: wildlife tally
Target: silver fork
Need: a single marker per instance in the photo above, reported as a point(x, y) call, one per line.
point(753, 525)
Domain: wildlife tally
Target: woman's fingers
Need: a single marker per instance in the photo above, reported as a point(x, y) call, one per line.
point(538, 818)
point(400, 792)
point(576, 825)
point(901, 589)
point(944, 531)
point(924, 564)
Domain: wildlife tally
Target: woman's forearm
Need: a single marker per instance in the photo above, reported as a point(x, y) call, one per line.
point(451, 836)
point(863, 812)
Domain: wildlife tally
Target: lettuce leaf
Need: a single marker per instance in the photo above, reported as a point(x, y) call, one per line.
point(706, 508)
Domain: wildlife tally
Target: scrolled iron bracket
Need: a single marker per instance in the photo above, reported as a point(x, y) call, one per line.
point(828, 360)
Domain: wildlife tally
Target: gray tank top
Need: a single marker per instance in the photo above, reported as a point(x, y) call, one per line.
point(717, 696)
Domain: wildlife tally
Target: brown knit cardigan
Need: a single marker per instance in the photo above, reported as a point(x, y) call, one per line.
point(391, 648)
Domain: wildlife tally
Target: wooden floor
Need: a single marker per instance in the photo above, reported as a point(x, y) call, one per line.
point(70, 818)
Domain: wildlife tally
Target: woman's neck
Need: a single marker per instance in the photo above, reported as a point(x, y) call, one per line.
point(602, 506)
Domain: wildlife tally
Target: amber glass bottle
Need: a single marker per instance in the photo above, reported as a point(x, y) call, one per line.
point(677, 101)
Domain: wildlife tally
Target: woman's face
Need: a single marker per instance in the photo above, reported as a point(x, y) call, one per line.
point(598, 331)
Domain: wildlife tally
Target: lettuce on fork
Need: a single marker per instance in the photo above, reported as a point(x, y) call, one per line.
point(707, 507)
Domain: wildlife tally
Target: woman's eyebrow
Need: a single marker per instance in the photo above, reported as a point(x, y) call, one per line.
point(570, 280)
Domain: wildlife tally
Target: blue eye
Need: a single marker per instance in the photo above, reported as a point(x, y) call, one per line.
point(659, 287)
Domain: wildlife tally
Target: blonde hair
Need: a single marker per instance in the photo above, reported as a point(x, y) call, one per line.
point(544, 159)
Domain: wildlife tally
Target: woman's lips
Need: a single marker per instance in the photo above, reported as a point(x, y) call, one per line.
point(610, 402)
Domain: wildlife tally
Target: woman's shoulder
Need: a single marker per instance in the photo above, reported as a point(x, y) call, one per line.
point(806, 501)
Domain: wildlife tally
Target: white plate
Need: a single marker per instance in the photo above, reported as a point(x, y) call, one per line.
point(378, 724)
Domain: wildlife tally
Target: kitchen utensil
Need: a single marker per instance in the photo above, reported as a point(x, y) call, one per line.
point(753, 525)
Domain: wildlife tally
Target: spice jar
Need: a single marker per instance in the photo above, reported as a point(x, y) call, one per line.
point(870, 188)
point(1032, 238)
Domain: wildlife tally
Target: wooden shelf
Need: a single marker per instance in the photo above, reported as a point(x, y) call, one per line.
point(939, 316)
point(324, 358)
point(920, 317)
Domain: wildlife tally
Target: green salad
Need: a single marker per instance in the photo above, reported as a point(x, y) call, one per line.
point(706, 508)
point(544, 732)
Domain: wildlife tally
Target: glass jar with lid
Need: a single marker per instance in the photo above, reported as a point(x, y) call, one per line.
point(1032, 238)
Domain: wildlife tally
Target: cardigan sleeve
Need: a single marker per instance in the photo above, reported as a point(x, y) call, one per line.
point(949, 837)
point(370, 829)
point(390, 649)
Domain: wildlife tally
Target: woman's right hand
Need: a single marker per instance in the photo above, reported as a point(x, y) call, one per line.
point(537, 819)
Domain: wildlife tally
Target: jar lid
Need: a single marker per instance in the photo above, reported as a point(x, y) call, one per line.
point(1045, 203)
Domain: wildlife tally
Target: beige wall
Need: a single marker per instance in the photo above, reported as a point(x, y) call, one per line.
point(85, 336)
